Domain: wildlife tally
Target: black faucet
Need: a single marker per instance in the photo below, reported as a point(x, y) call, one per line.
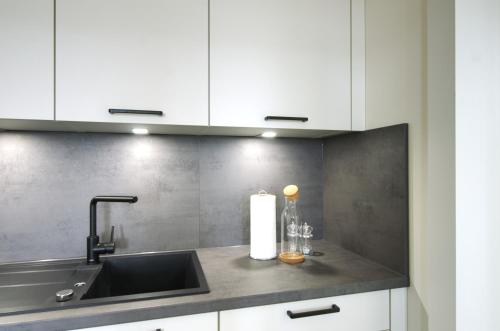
point(94, 248)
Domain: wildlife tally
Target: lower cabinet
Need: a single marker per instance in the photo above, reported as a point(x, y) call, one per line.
point(369, 311)
point(357, 312)
point(200, 322)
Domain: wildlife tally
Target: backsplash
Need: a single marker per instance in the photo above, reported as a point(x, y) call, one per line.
point(366, 194)
point(193, 191)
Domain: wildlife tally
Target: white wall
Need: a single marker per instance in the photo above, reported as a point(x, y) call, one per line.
point(478, 164)
point(440, 232)
point(395, 93)
point(410, 43)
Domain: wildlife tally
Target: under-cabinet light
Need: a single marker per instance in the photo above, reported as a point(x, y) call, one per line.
point(140, 131)
point(269, 134)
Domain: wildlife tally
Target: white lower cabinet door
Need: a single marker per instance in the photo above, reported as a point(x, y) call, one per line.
point(199, 322)
point(356, 312)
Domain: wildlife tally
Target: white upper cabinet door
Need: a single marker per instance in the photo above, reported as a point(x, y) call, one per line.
point(280, 58)
point(139, 55)
point(27, 59)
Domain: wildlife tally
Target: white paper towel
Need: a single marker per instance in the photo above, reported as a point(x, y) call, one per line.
point(263, 226)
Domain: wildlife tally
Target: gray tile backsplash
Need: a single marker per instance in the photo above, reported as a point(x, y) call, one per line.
point(366, 194)
point(232, 169)
point(193, 191)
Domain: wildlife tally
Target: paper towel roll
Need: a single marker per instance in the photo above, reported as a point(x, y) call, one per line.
point(263, 226)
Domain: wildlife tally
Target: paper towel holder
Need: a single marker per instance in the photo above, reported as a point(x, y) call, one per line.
point(265, 248)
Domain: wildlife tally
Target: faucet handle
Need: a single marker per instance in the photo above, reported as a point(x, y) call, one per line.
point(112, 236)
point(107, 247)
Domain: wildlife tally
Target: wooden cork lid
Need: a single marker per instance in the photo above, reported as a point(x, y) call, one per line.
point(291, 192)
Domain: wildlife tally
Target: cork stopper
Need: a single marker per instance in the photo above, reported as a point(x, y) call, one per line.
point(291, 192)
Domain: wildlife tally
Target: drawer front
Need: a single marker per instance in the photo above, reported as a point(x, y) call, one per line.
point(200, 322)
point(358, 312)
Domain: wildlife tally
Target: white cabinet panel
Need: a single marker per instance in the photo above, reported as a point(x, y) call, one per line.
point(200, 322)
point(358, 312)
point(358, 65)
point(399, 299)
point(132, 54)
point(27, 59)
point(280, 58)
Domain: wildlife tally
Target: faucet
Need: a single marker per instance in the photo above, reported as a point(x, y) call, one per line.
point(94, 247)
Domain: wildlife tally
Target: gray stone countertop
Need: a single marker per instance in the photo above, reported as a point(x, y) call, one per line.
point(235, 281)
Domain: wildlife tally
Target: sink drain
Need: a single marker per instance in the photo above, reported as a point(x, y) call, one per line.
point(80, 284)
point(64, 295)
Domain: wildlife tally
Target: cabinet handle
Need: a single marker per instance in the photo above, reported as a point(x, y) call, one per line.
point(333, 309)
point(135, 111)
point(286, 118)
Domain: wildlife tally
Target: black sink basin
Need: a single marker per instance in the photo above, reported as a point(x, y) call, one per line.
point(32, 286)
point(147, 276)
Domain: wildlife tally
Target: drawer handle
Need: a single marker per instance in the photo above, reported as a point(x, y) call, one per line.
point(135, 111)
point(333, 309)
point(286, 118)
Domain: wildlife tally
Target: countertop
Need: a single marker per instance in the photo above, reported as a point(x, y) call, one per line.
point(235, 281)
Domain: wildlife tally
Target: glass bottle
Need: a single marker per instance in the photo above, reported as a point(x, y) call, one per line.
point(291, 227)
point(307, 239)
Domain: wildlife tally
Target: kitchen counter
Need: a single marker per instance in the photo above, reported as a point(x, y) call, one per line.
point(235, 281)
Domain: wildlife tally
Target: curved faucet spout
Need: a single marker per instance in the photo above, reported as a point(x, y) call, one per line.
point(94, 248)
point(114, 198)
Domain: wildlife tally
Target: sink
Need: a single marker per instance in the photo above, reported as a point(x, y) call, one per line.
point(32, 286)
point(124, 278)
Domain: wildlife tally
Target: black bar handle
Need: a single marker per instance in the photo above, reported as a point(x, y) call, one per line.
point(334, 309)
point(286, 118)
point(135, 111)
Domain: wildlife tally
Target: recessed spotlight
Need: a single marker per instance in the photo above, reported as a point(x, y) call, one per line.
point(140, 131)
point(269, 134)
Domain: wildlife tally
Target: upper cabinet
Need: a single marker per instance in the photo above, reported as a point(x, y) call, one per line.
point(27, 59)
point(145, 59)
point(280, 58)
point(284, 64)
